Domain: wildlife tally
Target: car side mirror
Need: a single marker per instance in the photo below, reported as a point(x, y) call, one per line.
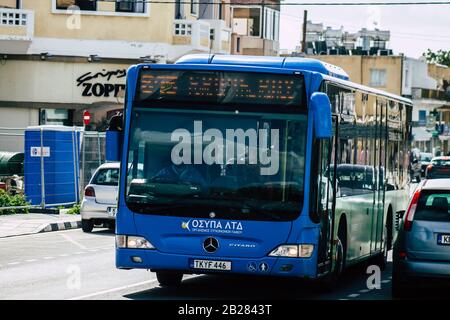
point(321, 110)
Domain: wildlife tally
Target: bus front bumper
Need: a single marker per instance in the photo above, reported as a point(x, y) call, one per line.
point(273, 266)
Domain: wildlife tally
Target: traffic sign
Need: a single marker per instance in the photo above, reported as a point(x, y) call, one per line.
point(86, 117)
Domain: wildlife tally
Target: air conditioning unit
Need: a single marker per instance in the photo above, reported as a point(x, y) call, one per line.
point(240, 26)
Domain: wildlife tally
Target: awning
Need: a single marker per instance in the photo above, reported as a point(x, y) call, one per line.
point(421, 134)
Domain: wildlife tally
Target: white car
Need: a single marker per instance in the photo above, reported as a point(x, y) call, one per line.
point(99, 205)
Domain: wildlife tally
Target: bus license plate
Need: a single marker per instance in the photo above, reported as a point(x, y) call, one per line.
point(112, 211)
point(444, 239)
point(212, 265)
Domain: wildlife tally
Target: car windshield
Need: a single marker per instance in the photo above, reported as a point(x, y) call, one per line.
point(239, 166)
point(106, 177)
point(441, 162)
point(425, 157)
point(433, 206)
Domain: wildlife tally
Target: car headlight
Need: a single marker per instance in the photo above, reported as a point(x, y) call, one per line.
point(293, 251)
point(133, 242)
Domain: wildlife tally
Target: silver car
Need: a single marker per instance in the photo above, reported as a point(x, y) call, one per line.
point(99, 203)
point(422, 249)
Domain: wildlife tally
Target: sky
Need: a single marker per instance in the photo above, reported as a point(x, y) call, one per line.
point(414, 29)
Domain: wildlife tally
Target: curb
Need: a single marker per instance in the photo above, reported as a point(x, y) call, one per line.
point(61, 226)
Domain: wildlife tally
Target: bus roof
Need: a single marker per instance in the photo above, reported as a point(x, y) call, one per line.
point(329, 71)
point(269, 62)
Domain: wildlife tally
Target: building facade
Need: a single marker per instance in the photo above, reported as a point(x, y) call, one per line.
point(61, 57)
point(381, 72)
point(255, 27)
point(427, 85)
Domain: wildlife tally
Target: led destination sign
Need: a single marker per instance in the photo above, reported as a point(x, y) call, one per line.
point(220, 87)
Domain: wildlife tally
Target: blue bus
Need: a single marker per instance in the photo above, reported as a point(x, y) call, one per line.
point(256, 165)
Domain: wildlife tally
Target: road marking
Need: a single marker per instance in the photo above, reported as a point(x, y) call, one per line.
point(354, 295)
point(31, 260)
point(79, 245)
point(113, 290)
point(13, 263)
point(364, 291)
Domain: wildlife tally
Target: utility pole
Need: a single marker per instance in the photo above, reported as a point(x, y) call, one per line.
point(305, 19)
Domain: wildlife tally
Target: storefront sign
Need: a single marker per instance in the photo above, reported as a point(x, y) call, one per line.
point(103, 83)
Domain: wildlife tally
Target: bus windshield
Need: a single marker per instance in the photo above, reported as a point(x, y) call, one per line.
point(222, 164)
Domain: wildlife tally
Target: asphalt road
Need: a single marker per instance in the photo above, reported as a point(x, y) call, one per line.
point(75, 265)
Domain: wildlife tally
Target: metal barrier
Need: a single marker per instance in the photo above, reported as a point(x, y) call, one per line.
point(88, 153)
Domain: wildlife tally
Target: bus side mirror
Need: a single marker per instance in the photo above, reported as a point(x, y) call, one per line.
point(114, 138)
point(321, 110)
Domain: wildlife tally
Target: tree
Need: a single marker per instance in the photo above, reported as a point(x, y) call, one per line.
point(441, 57)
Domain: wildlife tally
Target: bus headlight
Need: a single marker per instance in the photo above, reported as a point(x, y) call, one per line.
point(293, 251)
point(133, 242)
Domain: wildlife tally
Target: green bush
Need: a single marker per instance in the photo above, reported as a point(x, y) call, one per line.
point(74, 210)
point(7, 200)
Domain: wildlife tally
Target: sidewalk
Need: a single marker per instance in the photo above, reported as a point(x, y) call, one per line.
point(21, 224)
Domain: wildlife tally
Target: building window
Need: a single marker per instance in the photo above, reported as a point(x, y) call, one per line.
point(130, 6)
point(378, 77)
point(183, 29)
point(238, 44)
point(422, 117)
point(211, 34)
point(194, 7)
point(86, 5)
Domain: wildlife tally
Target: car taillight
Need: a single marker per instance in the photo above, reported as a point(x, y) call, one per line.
point(429, 167)
point(411, 210)
point(89, 192)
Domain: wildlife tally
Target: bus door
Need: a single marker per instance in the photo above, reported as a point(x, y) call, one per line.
point(323, 196)
point(379, 172)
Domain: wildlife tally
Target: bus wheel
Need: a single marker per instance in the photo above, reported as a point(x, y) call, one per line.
point(381, 259)
point(330, 282)
point(168, 279)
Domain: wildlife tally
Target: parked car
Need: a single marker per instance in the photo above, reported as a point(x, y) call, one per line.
point(439, 167)
point(422, 249)
point(99, 203)
point(425, 160)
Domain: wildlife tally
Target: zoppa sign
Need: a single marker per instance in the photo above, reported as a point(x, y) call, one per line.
point(101, 84)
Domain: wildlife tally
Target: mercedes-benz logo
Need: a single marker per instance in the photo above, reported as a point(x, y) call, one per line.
point(210, 245)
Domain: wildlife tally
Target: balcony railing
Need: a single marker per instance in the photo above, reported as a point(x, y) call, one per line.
point(16, 24)
point(419, 93)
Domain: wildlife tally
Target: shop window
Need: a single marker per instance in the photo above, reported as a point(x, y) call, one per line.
point(422, 117)
point(56, 117)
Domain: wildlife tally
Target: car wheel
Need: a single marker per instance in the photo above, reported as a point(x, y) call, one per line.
point(111, 225)
point(87, 225)
point(169, 279)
